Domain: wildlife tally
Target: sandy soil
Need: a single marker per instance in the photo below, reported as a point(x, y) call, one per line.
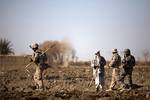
point(70, 83)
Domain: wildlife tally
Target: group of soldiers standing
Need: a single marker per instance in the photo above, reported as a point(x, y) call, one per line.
point(127, 63)
point(39, 58)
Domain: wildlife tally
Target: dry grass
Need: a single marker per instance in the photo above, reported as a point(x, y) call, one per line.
point(69, 83)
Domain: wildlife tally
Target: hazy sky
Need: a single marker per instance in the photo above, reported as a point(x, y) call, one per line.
point(90, 25)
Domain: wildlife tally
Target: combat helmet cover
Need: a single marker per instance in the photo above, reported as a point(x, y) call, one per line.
point(97, 53)
point(114, 51)
point(34, 45)
point(126, 51)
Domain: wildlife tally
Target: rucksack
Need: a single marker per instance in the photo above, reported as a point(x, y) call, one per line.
point(132, 61)
point(119, 61)
point(43, 57)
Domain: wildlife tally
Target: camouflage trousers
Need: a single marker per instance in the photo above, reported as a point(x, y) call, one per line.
point(128, 73)
point(99, 78)
point(38, 78)
point(115, 77)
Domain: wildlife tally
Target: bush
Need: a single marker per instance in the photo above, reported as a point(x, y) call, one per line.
point(6, 47)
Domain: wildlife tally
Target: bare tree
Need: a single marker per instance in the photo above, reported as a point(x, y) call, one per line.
point(61, 52)
point(146, 54)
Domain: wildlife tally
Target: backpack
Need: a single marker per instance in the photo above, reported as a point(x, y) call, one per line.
point(132, 61)
point(43, 57)
point(118, 61)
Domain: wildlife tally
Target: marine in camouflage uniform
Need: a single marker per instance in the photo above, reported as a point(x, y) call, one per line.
point(98, 70)
point(39, 60)
point(128, 63)
point(114, 64)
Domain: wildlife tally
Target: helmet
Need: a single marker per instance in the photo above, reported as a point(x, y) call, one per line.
point(114, 51)
point(97, 53)
point(127, 51)
point(35, 45)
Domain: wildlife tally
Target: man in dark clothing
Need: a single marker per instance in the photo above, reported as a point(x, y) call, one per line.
point(128, 63)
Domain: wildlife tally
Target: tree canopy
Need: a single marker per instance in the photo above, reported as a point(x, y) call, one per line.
point(6, 47)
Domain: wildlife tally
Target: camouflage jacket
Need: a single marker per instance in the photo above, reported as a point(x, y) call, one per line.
point(115, 61)
point(39, 57)
point(128, 61)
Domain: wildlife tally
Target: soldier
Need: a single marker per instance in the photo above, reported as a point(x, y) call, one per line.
point(128, 63)
point(114, 64)
point(98, 70)
point(39, 59)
